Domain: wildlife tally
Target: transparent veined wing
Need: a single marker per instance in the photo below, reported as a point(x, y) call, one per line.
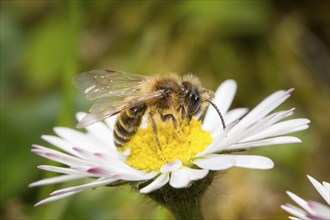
point(102, 83)
point(108, 106)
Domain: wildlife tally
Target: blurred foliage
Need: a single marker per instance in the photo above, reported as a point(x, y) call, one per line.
point(264, 45)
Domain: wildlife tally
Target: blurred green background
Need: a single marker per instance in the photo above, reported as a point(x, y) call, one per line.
point(264, 45)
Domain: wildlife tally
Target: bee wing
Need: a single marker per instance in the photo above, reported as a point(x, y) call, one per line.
point(108, 106)
point(102, 83)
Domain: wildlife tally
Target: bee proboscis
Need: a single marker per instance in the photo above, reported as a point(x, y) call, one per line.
point(162, 97)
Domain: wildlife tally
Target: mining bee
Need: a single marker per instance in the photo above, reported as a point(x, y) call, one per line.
point(162, 97)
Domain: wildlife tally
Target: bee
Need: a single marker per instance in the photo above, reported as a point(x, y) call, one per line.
point(161, 98)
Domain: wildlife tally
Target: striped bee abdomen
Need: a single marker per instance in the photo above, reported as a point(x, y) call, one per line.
point(127, 124)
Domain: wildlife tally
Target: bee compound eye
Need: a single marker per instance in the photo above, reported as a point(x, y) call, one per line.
point(193, 100)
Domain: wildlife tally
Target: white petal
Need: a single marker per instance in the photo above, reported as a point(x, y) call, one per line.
point(170, 167)
point(323, 191)
point(54, 198)
point(58, 156)
point(156, 184)
point(96, 183)
point(144, 122)
point(56, 179)
point(265, 142)
point(130, 176)
point(196, 174)
point(254, 127)
point(224, 95)
point(226, 139)
point(89, 156)
point(58, 169)
point(109, 158)
point(327, 189)
point(223, 99)
point(78, 139)
point(116, 165)
point(319, 210)
point(101, 132)
point(326, 185)
point(294, 211)
point(217, 143)
point(262, 124)
point(253, 162)
point(216, 162)
point(111, 121)
point(100, 172)
point(183, 177)
point(80, 115)
point(179, 179)
point(294, 218)
point(235, 114)
point(60, 143)
point(232, 118)
point(118, 169)
point(86, 154)
point(281, 128)
point(302, 203)
point(266, 106)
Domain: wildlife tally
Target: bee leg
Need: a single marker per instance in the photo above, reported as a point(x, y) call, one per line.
point(155, 130)
point(175, 124)
point(169, 116)
point(184, 120)
point(181, 135)
point(183, 113)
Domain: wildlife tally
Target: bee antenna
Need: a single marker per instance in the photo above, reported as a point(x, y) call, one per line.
point(219, 113)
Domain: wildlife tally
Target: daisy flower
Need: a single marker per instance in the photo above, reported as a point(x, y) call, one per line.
point(186, 161)
point(310, 209)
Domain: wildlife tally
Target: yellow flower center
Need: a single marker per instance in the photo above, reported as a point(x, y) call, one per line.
point(182, 144)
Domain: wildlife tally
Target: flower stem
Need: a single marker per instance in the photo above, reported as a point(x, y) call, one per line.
point(185, 203)
point(185, 207)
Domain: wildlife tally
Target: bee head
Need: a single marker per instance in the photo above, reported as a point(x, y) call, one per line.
point(197, 98)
